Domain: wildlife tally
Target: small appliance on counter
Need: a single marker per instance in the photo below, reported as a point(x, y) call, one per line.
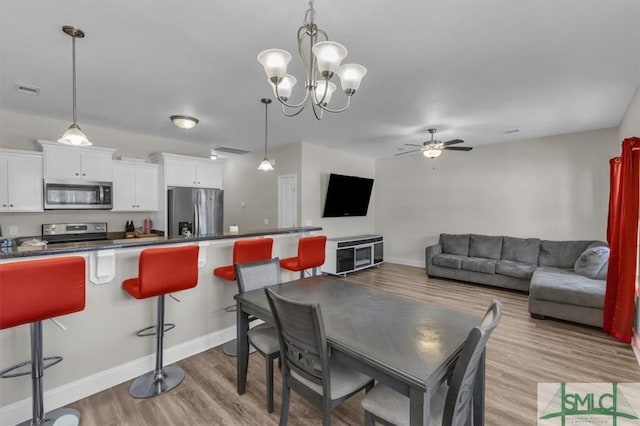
point(73, 232)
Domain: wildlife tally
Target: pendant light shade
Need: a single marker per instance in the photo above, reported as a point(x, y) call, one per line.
point(266, 165)
point(74, 136)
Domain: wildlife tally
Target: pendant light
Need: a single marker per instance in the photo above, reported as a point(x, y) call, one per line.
point(73, 135)
point(266, 164)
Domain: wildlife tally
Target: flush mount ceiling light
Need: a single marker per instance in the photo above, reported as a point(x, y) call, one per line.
point(321, 63)
point(266, 164)
point(184, 121)
point(73, 135)
point(213, 155)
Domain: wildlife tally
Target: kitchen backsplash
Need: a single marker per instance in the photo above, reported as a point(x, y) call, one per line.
point(29, 224)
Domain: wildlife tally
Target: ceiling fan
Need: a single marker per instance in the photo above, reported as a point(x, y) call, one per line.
point(433, 148)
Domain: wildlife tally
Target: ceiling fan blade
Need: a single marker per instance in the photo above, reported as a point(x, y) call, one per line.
point(452, 142)
point(412, 144)
point(406, 152)
point(458, 148)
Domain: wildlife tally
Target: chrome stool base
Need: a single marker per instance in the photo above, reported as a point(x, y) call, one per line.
point(59, 417)
point(231, 348)
point(152, 384)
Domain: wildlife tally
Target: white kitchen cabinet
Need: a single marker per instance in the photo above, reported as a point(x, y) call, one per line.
point(135, 186)
point(20, 181)
point(77, 163)
point(192, 172)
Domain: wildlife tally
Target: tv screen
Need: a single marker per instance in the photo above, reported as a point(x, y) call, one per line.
point(347, 196)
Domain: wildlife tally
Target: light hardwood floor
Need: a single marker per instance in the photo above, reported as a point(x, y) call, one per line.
point(521, 353)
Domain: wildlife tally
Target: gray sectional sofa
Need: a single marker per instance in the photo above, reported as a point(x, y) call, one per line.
point(565, 279)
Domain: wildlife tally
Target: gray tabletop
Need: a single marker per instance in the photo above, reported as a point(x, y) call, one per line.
point(413, 341)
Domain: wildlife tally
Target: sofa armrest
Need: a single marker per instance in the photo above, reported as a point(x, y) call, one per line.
point(429, 252)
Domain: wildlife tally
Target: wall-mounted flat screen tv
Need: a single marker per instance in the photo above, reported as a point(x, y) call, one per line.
point(347, 196)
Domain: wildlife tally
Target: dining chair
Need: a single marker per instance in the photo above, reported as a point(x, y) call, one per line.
point(252, 276)
point(307, 365)
point(451, 405)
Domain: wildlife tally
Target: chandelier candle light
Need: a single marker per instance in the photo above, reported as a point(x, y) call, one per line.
point(322, 63)
point(266, 164)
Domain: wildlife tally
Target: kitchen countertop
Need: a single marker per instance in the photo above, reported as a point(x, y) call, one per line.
point(85, 246)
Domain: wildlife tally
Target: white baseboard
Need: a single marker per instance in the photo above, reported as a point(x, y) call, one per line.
point(74, 391)
point(407, 262)
point(635, 344)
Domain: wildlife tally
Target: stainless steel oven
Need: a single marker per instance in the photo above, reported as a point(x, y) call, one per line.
point(63, 195)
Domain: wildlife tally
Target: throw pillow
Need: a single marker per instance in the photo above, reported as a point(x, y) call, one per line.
point(593, 263)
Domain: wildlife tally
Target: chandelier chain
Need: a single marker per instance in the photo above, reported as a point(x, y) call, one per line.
point(309, 15)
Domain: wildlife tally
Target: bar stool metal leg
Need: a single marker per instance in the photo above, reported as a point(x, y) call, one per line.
point(67, 416)
point(161, 379)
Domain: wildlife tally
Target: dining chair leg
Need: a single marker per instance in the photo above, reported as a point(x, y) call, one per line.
point(269, 384)
point(326, 411)
point(368, 419)
point(284, 406)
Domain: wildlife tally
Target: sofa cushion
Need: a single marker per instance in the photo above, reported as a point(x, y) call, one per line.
point(514, 269)
point(485, 246)
point(478, 264)
point(567, 287)
point(561, 254)
point(455, 244)
point(593, 262)
point(521, 249)
point(448, 260)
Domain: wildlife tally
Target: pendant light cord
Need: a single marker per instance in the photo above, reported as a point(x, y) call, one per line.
point(266, 109)
point(73, 65)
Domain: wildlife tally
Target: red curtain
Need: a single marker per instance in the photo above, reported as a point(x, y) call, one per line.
point(622, 235)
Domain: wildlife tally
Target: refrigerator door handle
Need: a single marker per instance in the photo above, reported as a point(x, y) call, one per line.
point(196, 210)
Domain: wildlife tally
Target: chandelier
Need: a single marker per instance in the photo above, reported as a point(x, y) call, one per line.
point(320, 64)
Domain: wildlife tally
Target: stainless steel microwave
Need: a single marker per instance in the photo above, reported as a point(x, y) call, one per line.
point(63, 195)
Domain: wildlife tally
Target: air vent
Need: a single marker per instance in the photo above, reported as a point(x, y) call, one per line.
point(508, 132)
point(229, 150)
point(29, 90)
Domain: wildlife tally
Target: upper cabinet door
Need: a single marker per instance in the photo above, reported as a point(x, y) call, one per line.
point(20, 181)
point(96, 166)
point(209, 175)
point(124, 197)
point(179, 172)
point(147, 188)
point(62, 163)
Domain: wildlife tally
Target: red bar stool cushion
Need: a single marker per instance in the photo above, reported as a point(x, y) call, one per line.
point(36, 290)
point(311, 254)
point(245, 251)
point(164, 270)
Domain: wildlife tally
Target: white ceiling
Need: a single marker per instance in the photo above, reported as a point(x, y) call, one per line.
point(473, 69)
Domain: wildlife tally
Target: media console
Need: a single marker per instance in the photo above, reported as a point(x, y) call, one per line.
point(348, 254)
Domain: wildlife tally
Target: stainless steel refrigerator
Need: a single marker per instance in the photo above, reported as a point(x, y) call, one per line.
point(195, 210)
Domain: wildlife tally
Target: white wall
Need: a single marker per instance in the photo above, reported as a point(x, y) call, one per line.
point(317, 163)
point(258, 190)
point(552, 188)
point(630, 125)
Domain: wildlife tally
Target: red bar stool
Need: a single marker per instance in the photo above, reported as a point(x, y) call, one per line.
point(33, 291)
point(161, 271)
point(310, 255)
point(244, 251)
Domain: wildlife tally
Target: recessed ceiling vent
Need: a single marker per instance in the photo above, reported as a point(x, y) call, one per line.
point(29, 90)
point(230, 150)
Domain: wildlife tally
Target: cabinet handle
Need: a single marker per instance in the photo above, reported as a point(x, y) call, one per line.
point(133, 205)
point(10, 205)
point(77, 174)
point(4, 205)
point(84, 174)
point(138, 205)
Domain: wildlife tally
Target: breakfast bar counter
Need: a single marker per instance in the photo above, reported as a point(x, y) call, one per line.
point(99, 344)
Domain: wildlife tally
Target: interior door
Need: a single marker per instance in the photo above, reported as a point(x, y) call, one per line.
point(287, 201)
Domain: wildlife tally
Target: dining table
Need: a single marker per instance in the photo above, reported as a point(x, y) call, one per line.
point(409, 345)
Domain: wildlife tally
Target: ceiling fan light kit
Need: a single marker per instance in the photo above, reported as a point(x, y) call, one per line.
point(433, 148)
point(321, 63)
point(74, 135)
